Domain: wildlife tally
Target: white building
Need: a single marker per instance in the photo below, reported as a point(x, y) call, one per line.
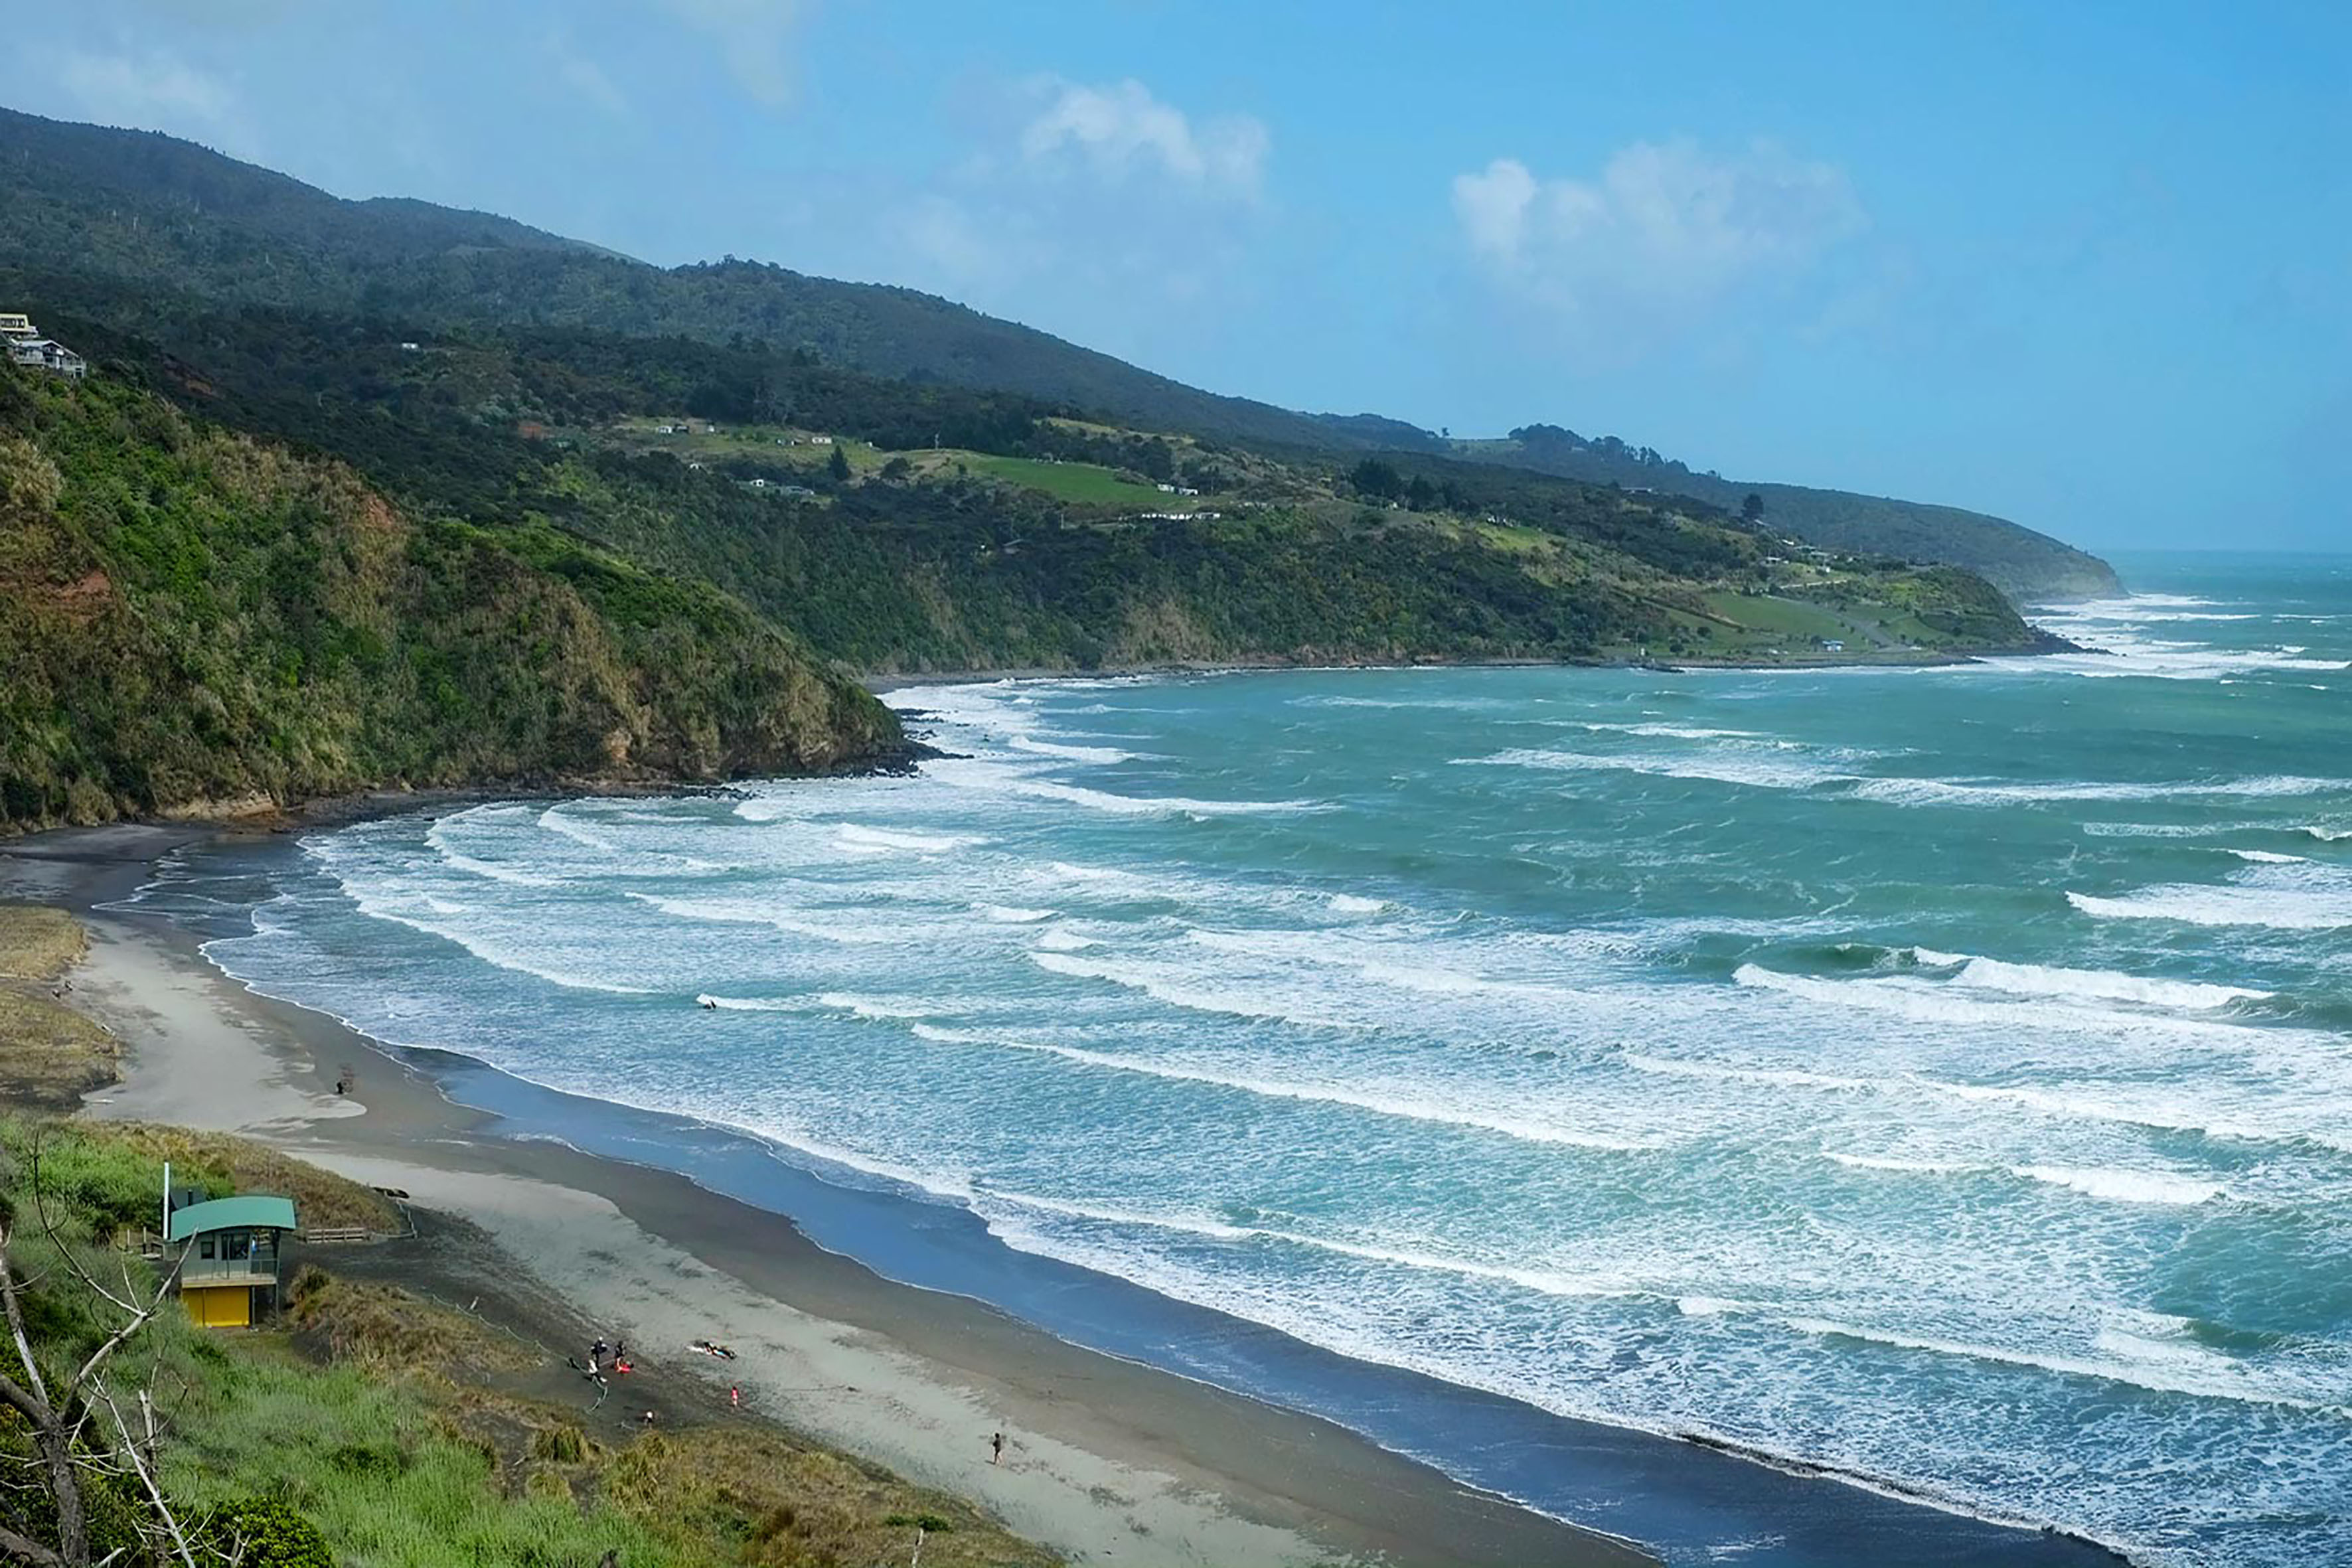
point(47, 354)
point(26, 347)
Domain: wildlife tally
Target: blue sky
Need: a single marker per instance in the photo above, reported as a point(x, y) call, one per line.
point(2088, 265)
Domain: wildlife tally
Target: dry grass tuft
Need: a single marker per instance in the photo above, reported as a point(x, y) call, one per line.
point(38, 944)
point(793, 1505)
point(384, 1329)
point(50, 1055)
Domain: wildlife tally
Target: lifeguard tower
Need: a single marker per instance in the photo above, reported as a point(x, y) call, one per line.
point(228, 1251)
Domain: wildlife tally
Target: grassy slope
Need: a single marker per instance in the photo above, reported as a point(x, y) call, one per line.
point(188, 616)
point(2019, 560)
point(413, 1436)
point(50, 1054)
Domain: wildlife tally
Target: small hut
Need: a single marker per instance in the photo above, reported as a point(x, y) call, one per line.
point(228, 1256)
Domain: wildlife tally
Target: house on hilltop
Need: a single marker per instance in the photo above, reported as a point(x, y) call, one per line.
point(26, 347)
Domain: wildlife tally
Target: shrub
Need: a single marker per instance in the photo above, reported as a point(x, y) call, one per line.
point(271, 1533)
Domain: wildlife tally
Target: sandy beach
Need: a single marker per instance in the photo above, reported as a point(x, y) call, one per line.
point(1108, 1460)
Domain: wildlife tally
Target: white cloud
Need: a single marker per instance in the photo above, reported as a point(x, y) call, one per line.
point(1663, 234)
point(754, 40)
point(1123, 129)
point(151, 91)
point(586, 76)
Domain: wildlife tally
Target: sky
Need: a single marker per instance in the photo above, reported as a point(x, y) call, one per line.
point(2087, 265)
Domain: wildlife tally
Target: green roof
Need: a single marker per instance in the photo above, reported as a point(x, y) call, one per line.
point(232, 1213)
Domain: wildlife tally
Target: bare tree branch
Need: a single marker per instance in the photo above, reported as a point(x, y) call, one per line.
point(25, 1550)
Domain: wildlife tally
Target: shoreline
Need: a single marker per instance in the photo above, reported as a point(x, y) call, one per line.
point(261, 814)
point(882, 685)
point(1337, 1492)
point(1141, 1466)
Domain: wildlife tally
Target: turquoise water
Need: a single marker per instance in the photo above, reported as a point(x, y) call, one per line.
point(1939, 1075)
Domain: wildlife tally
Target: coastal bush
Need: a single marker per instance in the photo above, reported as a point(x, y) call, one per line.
point(194, 616)
point(263, 1533)
point(90, 1185)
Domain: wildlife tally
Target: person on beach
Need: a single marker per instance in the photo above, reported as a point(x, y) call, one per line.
point(996, 1450)
point(735, 1395)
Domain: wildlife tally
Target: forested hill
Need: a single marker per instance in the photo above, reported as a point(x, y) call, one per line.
point(191, 617)
point(277, 553)
point(151, 209)
point(163, 214)
point(2022, 563)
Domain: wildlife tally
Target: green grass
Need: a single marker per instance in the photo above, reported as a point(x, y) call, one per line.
point(1082, 483)
point(414, 1435)
point(1791, 619)
point(366, 1462)
point(1515, 539)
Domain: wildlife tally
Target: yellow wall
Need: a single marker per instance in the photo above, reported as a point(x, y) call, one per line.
point(229, 1306)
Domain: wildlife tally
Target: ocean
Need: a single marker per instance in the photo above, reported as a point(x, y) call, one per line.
point(1941, 1075)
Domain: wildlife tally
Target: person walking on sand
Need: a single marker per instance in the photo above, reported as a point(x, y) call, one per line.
point(996, 1450)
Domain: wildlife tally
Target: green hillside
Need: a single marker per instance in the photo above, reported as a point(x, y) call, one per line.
point(266, 554)
point(150, 209)
point(972, 530)
point(2022, 563)
point(189, 615)
point(172, 217)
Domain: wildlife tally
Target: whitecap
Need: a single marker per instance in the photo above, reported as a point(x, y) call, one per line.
point(1177, 989)
point(2159, 1379)
point(1208, 1229)
point(820, 924)
point(1100, 754)
point(981, 775)
point(1440, 1112)
point(2125, 1186)
point(749, 1003)
point(2100, 984)
point(1670, 732)
point(1717, 767)
point(857, 836)
point(554, 821)
point(2193, 904)
point(1965, 792)
point(878, 1009)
